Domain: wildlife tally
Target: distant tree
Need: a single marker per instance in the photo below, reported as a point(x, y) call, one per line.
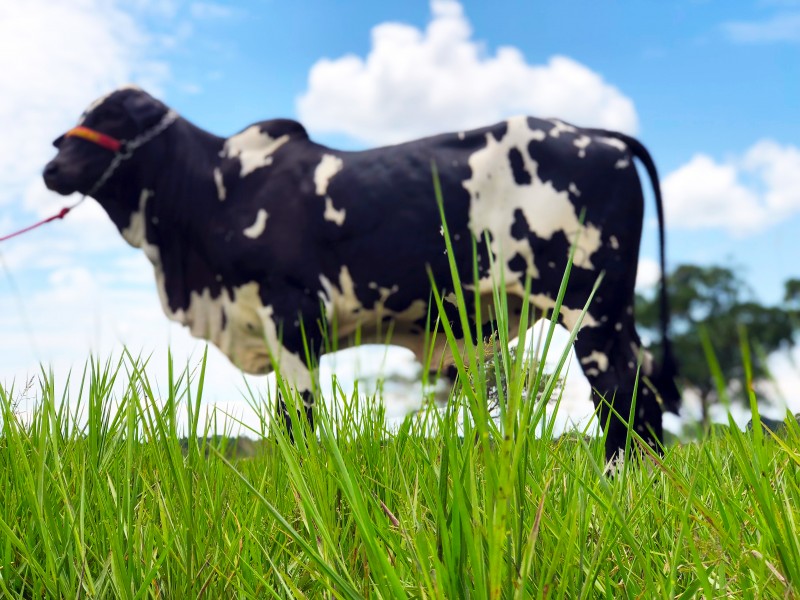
point(716, 300)
point(791, 295)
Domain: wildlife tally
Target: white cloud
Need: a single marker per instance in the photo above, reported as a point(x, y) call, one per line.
point(70, 294)
point(784, 27)
point(777, 170)
point(83, 312)
point(742, 195)
point(647, 274)
point(704, 193)
point(55, 57)
point(77, 290)
point(416, 82)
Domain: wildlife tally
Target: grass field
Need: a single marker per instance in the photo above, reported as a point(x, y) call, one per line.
point(446, 507)
point(102, 496)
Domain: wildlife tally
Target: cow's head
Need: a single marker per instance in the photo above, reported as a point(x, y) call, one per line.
point(83, 157)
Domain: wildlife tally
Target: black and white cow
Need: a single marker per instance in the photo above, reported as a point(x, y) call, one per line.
point(258, 238)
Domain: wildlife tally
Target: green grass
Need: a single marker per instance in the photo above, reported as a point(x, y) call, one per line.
point(103, 496)
point(443, 508)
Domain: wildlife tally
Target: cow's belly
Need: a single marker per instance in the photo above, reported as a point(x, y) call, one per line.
point(435, 352)
point(232, 322)
point(347, 314)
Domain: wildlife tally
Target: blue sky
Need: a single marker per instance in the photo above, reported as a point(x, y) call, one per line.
point(706, 77)
point(711, 87)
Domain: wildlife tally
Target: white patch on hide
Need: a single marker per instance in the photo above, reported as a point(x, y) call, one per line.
point(616, 465)
point(290, 365)
point(342, 305)
point(574, 190)
point(221, 192)
point(581, 144)
point(257, 228)
point(622, 163)
point(569, 315)
point(253, 148)
point(328, 166)
point(614, 142)
point(247, 335)
point(614, 242)
point(645, 358)
point(331, 214)
point(538, 135)
point(561, 127)
point(103, 98)
point(153, 254)
point(134, 233)
point(495, 196)
point(600, 359)
point(240, 335)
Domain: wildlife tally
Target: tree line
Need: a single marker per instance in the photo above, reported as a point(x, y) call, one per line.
point(716, 317)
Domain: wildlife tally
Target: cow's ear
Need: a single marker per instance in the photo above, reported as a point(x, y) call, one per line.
point(143, 109)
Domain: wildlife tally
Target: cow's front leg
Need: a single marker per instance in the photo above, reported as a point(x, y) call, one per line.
point(294, 349)
point(306, 412)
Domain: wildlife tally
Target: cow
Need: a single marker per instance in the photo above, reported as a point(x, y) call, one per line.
point(264, 240)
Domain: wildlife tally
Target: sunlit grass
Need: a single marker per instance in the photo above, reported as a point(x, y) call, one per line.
point(104, 495)
point(122, 507)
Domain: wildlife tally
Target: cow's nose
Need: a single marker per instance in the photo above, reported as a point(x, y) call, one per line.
point(50, 174)
point(51, 170)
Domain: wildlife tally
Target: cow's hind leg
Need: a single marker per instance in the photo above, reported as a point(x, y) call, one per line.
point(611, 358)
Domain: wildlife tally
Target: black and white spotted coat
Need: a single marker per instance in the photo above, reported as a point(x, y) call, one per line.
point(259, 238)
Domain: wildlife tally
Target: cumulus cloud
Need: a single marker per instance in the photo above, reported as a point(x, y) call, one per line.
point(742, 195)
point(56, 57)
point(784, 27)
point(69, 293)
point(99, 312)
point(416, 82)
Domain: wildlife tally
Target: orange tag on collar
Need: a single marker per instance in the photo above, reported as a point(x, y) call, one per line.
point(101, 139)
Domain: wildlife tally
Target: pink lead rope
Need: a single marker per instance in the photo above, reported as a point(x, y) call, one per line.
point(122, 151)
point(101, 139)
point(60, 215)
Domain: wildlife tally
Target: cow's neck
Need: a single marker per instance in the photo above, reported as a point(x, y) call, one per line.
point(167, 186)
point(170, 195)
point(184, 187)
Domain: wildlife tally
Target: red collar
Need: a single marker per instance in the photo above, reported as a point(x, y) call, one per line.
point(101, 139)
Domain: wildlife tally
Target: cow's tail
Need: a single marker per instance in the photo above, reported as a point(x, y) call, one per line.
point(664, 377)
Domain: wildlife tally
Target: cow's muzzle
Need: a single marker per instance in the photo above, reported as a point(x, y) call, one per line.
point(57, 179)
